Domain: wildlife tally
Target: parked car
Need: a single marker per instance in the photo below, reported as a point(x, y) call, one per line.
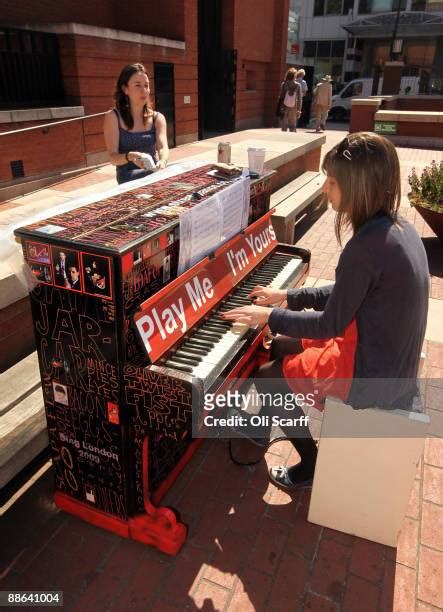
point(362, 88)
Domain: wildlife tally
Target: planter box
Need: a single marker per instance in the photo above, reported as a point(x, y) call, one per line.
point(433, 219)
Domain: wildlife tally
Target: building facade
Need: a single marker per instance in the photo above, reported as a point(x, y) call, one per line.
point(353, 38)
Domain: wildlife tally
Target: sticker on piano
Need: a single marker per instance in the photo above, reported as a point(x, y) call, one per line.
point(137, 257)
point(66, 267)
point(97, 275)
point(60, 393)
point(41, 272)
point(50, 229)
point(38, 252)
point(90, 494)
point(113, 416)
point(166, 268)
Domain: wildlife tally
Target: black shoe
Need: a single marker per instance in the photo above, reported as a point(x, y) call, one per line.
point(281, 477)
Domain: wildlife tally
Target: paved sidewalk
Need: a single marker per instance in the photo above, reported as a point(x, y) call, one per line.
point(250, 546)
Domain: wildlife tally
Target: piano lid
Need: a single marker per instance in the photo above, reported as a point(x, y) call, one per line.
point(166, 316)
point(117, 222)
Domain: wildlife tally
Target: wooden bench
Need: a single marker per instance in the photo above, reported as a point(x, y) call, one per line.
point(292, 200)
point(23, 433)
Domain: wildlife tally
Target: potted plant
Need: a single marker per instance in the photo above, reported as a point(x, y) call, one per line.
point(427, 195)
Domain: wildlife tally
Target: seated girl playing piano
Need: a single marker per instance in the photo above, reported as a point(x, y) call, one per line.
point(133, 129)
point(370, 323)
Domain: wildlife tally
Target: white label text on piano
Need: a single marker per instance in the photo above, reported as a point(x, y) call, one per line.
point(166, 316)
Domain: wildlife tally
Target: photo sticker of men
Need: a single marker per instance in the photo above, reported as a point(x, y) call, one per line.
point(60, 393)
point(97, 275)
point(66, 269)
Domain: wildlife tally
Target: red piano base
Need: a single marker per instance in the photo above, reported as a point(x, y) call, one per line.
point(160, 529)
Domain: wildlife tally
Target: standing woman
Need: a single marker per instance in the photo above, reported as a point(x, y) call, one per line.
point(290, 99)
point(133, 128)
point(362, 341)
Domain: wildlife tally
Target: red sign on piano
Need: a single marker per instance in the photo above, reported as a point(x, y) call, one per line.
point(166, 316)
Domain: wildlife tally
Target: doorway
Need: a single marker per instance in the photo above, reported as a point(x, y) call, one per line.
point(164, 96)
point(217, 73)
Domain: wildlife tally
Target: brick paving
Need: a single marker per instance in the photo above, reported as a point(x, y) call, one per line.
point(249, 546)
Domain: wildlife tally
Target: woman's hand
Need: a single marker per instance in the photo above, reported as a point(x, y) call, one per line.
point(264, 296)
point(136, 158)
point(250, 315)
point(161, 164)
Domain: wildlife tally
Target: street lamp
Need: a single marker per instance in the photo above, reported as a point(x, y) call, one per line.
point(395, 44)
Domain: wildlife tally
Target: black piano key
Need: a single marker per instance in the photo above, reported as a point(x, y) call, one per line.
point(189, 352)
point(202, 343)
point(214, 327)
point(206, 335)
point(185, 360)
point(178, 366)
point(220, 320)
point(194, 350)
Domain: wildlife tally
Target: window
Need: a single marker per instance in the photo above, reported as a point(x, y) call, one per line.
point(332, 7)
point(319, 8)
point(324, 48)
point(337, 48)
point(352, 90)
point(380, 6)
point(310, 48)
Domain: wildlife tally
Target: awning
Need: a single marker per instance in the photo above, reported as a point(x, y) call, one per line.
point(410, 24)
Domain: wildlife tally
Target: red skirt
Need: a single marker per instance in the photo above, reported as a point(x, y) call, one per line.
point(326, 366)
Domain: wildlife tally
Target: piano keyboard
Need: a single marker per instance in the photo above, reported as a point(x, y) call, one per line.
point(214, 342)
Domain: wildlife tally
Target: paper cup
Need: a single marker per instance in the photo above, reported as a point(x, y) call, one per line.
point(256, 159)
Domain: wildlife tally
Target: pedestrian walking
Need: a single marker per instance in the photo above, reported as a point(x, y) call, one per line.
point(290, 101)
point(321, 103)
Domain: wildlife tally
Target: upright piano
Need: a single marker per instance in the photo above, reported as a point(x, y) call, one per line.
point(126, 346)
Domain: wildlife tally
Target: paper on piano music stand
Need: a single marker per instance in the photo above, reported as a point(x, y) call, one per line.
point(209, 224)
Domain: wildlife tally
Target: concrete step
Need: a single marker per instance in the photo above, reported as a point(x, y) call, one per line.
point(23, 432)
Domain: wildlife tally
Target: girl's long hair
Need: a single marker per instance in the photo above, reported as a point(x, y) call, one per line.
point(367, 170)
point(122, 100)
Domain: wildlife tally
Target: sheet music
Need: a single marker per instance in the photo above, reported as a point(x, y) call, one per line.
point(206, 226)
point(234, 203)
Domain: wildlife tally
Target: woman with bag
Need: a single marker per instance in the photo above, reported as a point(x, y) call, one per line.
point(289, 101)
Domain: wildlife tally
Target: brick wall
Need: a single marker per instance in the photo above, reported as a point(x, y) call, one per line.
point(157, 17)
point(260, 35)
point(62, 147)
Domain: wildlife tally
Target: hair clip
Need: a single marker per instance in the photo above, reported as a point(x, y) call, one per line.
point(347, 153)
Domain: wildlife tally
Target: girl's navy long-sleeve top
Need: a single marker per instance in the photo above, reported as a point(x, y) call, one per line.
point(382, 281)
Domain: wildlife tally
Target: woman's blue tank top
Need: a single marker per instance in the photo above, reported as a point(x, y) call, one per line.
point(135, 141)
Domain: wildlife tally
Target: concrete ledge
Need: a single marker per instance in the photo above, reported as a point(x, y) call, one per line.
point(41, 114)
point(409, 116)
point(82, 29)
point(366, 101)
point(422, 142)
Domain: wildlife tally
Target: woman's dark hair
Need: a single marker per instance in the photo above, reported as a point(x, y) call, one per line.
point(122, 100)
point(367, 171)
point(291, 74)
